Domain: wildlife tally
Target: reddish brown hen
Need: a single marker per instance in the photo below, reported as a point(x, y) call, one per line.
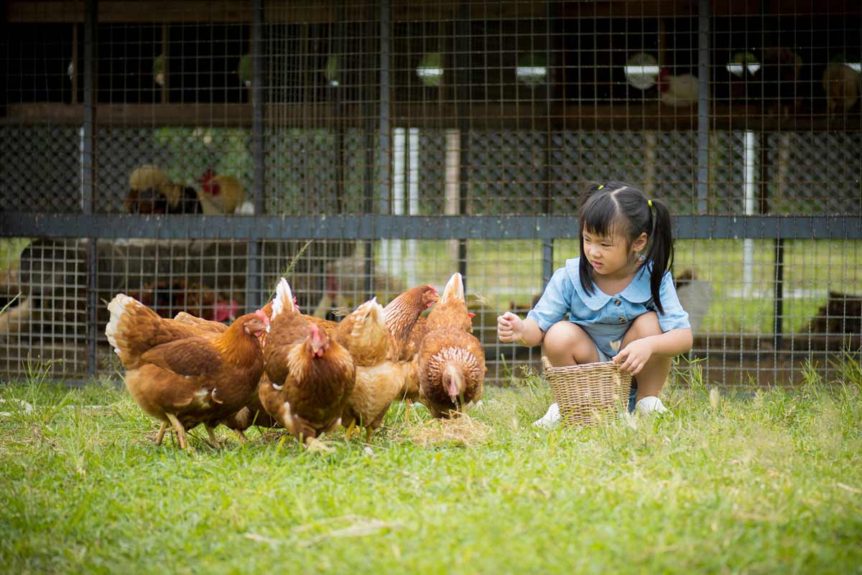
point(252, 413)
point(451, 359)
point(404, 321)
point(309, 375)
point(407, 326)
point(182, 374)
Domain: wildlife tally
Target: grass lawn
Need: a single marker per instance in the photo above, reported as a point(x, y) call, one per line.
point(768, 481)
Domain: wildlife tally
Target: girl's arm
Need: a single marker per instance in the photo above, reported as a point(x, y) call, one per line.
point(511, 328)
point(671, 343)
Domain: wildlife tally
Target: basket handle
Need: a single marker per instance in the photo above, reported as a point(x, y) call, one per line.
point(546, 364)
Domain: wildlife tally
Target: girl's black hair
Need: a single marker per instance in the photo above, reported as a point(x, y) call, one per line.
point(616, 207)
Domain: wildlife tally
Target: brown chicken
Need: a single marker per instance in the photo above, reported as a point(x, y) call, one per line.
point(407, 326)
point(404, 321)
point(309, 375)
point(451, 359)
point(252, 413)
point(152, 192)
point(379, 380)
point(220, 195)
point(182, 374)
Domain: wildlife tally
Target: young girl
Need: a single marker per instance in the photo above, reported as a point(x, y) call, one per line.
point(618, 296)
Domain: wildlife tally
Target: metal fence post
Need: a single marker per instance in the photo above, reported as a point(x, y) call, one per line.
point(703, 16)
point(253, 249)
point(88, 176)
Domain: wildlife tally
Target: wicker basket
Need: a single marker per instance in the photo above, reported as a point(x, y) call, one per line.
point(585, 391)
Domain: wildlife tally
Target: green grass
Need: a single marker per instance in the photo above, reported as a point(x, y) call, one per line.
point(764, 482)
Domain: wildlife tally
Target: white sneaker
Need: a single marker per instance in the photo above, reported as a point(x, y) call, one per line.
point(550, 419)
point(650, 404)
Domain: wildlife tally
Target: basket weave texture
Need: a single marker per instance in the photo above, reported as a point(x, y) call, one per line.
point(586, 391)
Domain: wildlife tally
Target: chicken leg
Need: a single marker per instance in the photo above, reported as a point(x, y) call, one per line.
point(213, 440)
point(161, 434)
point(178, 427)
point(315, 445)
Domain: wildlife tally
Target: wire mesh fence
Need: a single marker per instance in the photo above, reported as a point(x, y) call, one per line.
point(189, 154)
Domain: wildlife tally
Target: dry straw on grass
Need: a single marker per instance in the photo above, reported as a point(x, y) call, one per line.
point(462, 430)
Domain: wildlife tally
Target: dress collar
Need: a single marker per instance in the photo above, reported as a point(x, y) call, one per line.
point(638, 291)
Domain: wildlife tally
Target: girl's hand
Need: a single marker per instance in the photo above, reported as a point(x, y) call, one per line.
point(634, 356)
point(509, 327)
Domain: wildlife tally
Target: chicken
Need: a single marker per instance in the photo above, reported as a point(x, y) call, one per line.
point(403, 314)
point(182, 374)
point(363, 333)
point(407, 327)
point(379, 380)
point(152, 192)
point(220, 195)
point(308, 376)
point(841, 84)
point(209, 326)
point(677, 91)
point(252, 413)
point(451, 360)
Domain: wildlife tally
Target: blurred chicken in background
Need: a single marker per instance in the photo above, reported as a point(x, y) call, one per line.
point(168, 298)
point(841, 84)
point(220, 194)
point(677, 91)
point(152, 192)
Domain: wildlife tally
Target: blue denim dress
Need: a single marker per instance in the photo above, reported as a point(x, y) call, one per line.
point(606, 317)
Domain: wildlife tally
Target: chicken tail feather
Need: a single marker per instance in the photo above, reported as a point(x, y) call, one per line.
point(283, 302)
point(454, 290)
point(117, 307)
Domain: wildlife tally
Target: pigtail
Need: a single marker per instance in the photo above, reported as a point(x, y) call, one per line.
point(660, 250)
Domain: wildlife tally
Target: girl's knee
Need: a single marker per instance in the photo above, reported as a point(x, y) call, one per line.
point(646, 324)
point(559, 336)
point(567, 340)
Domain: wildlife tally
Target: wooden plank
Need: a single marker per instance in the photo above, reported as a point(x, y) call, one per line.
point(317, 12)
point(434, 115)
point(629, 9)
point(116, 11)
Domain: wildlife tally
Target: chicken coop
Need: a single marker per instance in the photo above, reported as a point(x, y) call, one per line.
point(190, 153)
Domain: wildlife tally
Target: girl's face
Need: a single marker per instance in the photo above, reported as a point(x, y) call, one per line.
point(612, 255)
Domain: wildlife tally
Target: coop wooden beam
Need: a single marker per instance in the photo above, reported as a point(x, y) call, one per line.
point(373, 227)
point(315, 11)
point(492, 116)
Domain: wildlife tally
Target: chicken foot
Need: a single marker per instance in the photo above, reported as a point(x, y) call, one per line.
point(161, 434)
point(212, 439)
point(315, 445)
point(351, 430)
point(178, 427)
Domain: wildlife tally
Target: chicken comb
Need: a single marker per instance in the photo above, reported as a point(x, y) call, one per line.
point(260, 314)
